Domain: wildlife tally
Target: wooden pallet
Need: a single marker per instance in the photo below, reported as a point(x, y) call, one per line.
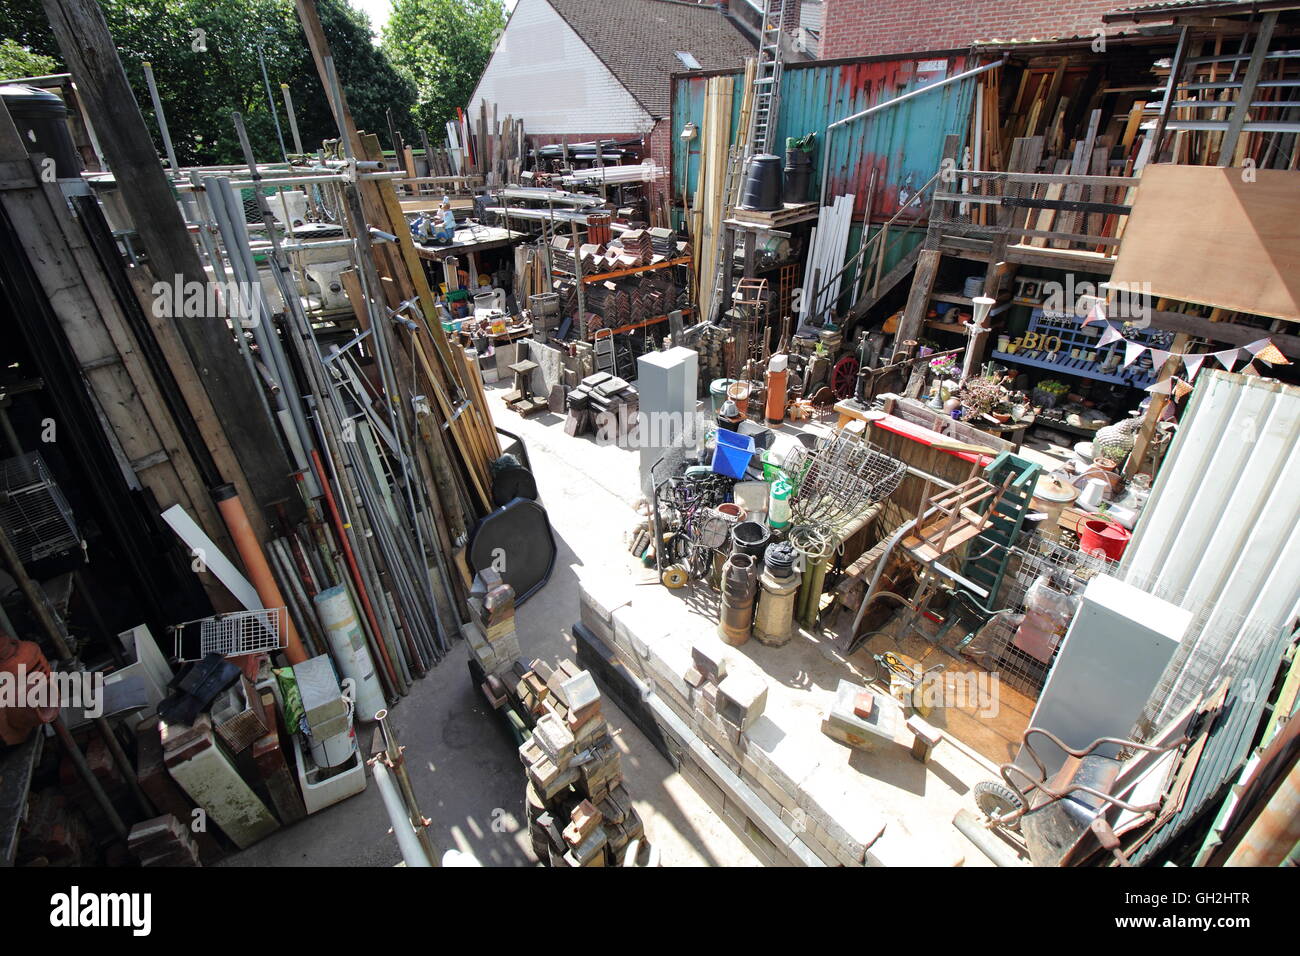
point(790, 213)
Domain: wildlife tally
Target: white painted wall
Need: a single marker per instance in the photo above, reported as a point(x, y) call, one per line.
point(543, 73)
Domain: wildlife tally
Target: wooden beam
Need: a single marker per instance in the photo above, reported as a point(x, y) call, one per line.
point(1229, 333)
point(1237, 122)
point(91, 56)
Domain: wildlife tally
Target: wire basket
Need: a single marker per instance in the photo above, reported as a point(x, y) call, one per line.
point(33, 511)
point(230, 635)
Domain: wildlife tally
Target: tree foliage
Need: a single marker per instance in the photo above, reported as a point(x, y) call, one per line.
point(205, 60)
point(16, 60)
point(442, 47)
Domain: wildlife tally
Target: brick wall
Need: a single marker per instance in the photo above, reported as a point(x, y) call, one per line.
point(871, 27)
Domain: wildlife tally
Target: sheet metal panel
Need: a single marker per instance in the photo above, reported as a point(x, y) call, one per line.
point(904, 144)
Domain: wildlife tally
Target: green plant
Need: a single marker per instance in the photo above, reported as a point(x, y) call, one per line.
point(980, 396)
point(1052, 387)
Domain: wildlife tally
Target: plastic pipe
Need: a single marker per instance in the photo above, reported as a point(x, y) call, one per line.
point(255, 563)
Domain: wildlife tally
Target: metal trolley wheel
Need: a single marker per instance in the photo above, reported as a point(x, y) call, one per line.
point(996, 799)
point(844, 377)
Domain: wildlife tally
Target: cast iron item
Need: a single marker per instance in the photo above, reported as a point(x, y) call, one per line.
point(516, 540)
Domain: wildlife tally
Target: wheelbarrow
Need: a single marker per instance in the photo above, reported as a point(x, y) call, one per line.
point(1063, 820)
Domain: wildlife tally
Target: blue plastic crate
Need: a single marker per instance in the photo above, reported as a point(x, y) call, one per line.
point(733, 454)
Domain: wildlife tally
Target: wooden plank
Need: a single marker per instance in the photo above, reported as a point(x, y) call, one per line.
point(92, 57)
point(918, 299)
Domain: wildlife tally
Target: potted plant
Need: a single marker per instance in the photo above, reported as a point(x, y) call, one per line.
point(1048, 392)
point(981, 396)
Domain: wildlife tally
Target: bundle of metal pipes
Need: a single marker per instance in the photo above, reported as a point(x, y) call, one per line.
point(387, 503)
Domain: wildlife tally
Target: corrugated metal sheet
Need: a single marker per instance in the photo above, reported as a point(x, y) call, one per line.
point(1221, 528)
point(1219, 535)
point(904, 144)
point(1226, 749)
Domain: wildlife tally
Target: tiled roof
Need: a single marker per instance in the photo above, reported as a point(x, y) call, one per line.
point(638, 40)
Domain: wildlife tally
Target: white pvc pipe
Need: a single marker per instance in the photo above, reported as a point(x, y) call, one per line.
point(407, 841)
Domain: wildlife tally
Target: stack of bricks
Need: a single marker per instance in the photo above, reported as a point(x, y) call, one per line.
point(491, 633)
point(728, 702)
point(163, 841)
point(579, 812)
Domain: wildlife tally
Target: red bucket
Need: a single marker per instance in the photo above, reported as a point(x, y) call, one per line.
point(1103, 538)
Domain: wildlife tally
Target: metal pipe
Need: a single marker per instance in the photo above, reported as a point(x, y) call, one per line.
point(880, 107)
point(397, 761)
point(412, 850)
point(159, 115)
point(293, 119)
point(270, 102)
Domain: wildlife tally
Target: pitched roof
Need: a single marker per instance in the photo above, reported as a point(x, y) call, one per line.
point(638, 41)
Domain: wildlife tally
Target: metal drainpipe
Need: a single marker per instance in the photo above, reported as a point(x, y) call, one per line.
point(881, 107)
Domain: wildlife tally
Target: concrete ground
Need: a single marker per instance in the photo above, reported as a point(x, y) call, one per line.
point(464, 767)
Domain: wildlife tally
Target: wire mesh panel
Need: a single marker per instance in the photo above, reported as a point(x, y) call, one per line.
point(1066, 571)
point(230, 635)
point(1217, 645)
point(33, 511)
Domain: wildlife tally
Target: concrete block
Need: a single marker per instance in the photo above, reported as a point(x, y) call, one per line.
point(580, 692)
point(709, 655)
point(835, 810)
point(741, 698)
point(553, 738)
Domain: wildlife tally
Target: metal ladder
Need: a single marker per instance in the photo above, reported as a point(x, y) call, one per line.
point(767, 81)
point(604, 345)
point(730, 196)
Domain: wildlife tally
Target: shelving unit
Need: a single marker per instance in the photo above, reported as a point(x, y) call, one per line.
point(1072, 336)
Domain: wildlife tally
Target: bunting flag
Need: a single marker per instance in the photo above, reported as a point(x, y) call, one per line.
point(1110, 335)
point(1227, 358)
point(1192, 363)
point(1163, 387)
point(1262, 350)
point(1132, 352)
point(1267, 352)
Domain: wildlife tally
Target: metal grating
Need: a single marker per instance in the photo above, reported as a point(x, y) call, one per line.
point(231, 635)
point(33, 511)
point(1033, 556)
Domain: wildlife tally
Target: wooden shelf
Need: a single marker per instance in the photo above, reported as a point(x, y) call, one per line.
point(620, 273)
point(641, 325)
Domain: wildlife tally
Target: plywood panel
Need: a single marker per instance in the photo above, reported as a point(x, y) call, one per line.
point(1216, 237)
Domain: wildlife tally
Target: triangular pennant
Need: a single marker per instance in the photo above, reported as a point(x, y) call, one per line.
point(1097, 314)
point(1158, 358)
point(1110, 335)
point(1193, 363)
point(1227, 358)
point(1181, 389)
point(1165, 387)
point(1272, 355)
point(1132, 352)
point(1254, 348)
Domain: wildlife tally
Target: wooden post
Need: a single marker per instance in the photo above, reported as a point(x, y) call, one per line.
point(92, 57)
